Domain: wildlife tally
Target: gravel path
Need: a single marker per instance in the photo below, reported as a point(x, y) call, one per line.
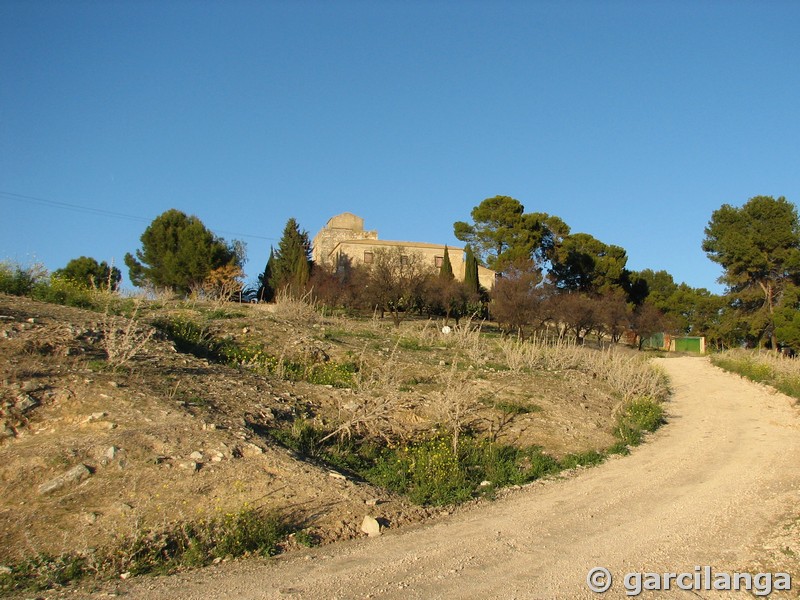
point(706, 490)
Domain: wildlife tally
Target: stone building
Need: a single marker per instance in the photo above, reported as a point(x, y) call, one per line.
point(343, 227)
point(344, 236)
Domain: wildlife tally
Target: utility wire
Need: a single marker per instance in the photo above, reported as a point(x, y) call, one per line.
point(104, 213)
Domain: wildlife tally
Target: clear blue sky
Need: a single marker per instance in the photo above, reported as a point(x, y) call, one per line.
point(632, 121)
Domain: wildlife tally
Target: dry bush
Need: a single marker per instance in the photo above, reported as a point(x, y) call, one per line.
point(467, 338)
point(455, 405)
point(518, 354)
point(629, 375)
point(222, 284)
point(374, 410)
point(302, 309)
point(123, 343)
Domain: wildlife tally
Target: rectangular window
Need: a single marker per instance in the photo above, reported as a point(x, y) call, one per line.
point(438, 260)
point(368, 256)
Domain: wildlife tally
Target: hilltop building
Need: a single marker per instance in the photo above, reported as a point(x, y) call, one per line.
point(344, 236)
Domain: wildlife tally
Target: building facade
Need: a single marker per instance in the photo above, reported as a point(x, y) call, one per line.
point(344, 239)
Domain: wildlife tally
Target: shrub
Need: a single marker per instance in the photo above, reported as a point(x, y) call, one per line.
point(60, 290)
point(637, 417)
point(430, 472)
point(20, 281)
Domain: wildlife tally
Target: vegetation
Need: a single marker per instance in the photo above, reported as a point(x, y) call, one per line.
point(770, 368)
point(157, 551)
point(502, 232)
point(450, 451)
point(178, 253)
point(758, 246)
point(87, 272)
point(291, 262)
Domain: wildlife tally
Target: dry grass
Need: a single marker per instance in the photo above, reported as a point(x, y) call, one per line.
point(292, 309)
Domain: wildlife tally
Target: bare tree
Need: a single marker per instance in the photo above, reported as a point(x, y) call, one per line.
point(519, 299)
point(397, 281)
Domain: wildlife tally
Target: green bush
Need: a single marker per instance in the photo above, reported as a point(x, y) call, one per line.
point(429, 472)
point(59, 290)
point(637, 417)
point(589, 458)
point(16, 280)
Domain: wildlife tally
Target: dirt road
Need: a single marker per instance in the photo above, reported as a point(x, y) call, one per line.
point(711, 488)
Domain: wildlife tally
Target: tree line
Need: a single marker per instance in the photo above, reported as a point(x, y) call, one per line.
point(549, 278)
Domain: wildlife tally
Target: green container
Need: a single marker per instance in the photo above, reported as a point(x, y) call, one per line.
point(688, 344)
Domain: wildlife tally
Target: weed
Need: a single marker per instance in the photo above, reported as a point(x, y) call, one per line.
point(588, 458)
point(43, 571)
point(122, 344)
point(510, 407)
point(412, 344)
point(221, 313)
point(637, 417)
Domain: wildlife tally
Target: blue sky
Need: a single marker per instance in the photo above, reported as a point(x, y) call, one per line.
point(632, 121)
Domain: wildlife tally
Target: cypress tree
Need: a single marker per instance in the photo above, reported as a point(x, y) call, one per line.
point(265, 291)
point(471, 281)
point(446, 271)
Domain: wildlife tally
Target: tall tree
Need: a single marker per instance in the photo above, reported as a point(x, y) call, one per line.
point(502, 233)
point(471, 281)
point(446, 270)
point(520, 298)
point(87, 272)
point(292, 260)
point(758, 246)
point(585, 264)
point(178, 252)
point(266, 293)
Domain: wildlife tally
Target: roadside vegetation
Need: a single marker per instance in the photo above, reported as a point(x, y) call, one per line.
point(248, 532)
point(770, 368)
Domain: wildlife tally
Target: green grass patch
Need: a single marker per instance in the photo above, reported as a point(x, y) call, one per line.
point(510, 407)
point(158, 551)
point(413, 345)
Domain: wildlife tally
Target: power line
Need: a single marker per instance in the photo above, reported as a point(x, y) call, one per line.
point(104, 213)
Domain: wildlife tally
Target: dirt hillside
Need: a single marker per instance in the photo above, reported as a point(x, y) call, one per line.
point(718, 486)
point(91, 454)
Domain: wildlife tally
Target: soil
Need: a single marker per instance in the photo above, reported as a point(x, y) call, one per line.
point(171, 437)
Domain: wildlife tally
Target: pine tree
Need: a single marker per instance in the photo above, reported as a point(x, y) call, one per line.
point(471, 281)
point(292, 260)
point(178, 253)
point(446, 271)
